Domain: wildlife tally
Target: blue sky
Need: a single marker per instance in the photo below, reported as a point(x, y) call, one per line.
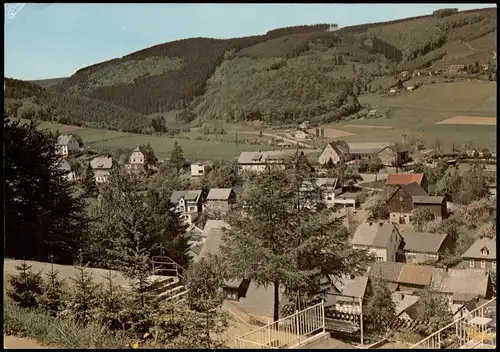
point(47, 41)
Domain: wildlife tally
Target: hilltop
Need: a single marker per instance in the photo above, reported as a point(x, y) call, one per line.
point(314, 73)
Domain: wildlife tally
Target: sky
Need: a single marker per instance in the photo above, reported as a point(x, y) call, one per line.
point(55, 40)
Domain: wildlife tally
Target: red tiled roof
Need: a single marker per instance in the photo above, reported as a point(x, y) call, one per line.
point(404, 179)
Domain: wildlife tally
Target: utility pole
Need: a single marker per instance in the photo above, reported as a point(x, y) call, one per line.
point(102, 139)
point(404, 140)
point(361, 320)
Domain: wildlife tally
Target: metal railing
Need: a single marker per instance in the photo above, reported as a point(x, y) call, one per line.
point(166, 265)
point(288, 332)
point(457, 333)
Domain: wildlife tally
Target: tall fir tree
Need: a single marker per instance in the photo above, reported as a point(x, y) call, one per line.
point(88, 182)
point(52, 299)
point(42, 216)
point(259, 247)
point(177, 157)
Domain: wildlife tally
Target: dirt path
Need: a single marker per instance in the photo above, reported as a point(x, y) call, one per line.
point(13, 342)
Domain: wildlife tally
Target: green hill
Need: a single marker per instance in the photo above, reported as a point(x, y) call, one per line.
point(289, 74)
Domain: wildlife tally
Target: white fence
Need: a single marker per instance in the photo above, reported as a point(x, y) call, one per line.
point(288, 332)
point(460, 332)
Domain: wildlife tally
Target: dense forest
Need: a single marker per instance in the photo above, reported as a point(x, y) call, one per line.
point(304, 72)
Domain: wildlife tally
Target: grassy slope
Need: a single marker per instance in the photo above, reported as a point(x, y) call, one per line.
point(193, 149)
point(417, 112)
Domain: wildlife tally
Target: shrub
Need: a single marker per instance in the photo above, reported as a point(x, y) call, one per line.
point(51, 301)
point(25, 286)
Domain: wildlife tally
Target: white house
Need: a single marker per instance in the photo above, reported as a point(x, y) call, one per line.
point(197, 170)
point(67, 144)
point(102, 168)
point(327, 189)
point(65, 166)
point(382, 239)
point(353, 292)
point(188, 203)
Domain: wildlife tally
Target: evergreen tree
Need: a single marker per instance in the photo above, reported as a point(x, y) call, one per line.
point(83, 298)
point(51, 301)
point(111, 306)
point(41, 214)
point(177, 157)
point(206, 283)
point(88, 182)
point(257, 246)
point(150, 158)
point(25, 286)
point(379, 309)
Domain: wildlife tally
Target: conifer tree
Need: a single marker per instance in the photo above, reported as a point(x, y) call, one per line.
point(42, 216)
point(51, 301)
point(25, 286)
point(111, 307)
point(206, 283)
point(177, 157)
point(82, 301)
point(88, 181)
point(257, 246)
point(379, 308)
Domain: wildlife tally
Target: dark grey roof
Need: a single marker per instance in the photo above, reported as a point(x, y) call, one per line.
point(427, 199)
point(212, 243)
point(482, 245)
point(355, 287)
point(367, 147)
point(64, 139)
point(259, 300)
point(422, 242)
point(414, 190)
point(219, 193)
point(101, 162)
point(264, 156)
point(376, 234)
point(64, 165)
point(388, 271)
point(191, 196)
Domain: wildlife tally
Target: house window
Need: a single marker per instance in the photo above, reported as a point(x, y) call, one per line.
point(471, 263)
point(493, 265)
point(328, 198)
point(200, 171)
point(483, 264)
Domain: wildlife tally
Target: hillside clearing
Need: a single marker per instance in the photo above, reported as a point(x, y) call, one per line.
point(469, 120)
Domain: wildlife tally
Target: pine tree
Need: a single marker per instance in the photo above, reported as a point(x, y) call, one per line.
point(82, 301)
point(25, 286)
point(51, 301)
point(110, 311)
point(42, 216)
point(177, 157)
point(88, 182)
point(258, 247)
point(379, 309)
point(150, 158)
point(206, 283)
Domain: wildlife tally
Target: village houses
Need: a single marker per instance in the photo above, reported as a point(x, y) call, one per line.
point(405, 179)
point(220, 200)
point(412, 196)
point(481, 255)
point(257, 161)
point(342, 151)
point(421, 247)
point(67, 144)
point(381, 239)
point(102, 167)
point(188, 204)
point(325, 190)
point(198, 169)
point(136, 160)
point(66, 167)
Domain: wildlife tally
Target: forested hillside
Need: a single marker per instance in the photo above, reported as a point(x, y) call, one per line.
point(288, 74)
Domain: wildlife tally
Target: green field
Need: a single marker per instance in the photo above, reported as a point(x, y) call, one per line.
point(193, 149)
point(417, 113)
